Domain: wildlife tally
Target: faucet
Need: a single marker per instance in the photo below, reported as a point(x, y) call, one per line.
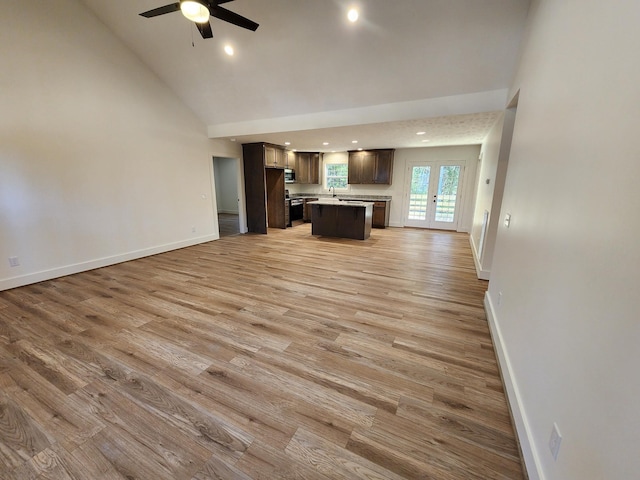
point(334, 190)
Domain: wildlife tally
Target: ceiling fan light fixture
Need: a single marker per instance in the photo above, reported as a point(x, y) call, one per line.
point(195, 11)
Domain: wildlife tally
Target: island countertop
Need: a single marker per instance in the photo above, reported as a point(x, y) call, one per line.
point(340, 203)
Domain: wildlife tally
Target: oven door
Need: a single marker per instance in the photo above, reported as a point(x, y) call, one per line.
point(296, 211)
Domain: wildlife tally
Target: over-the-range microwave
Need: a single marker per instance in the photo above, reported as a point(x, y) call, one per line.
point(289, 175)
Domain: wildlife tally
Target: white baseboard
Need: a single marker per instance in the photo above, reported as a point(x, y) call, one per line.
point(482, 274)
point(523, 430)
point(22, 280)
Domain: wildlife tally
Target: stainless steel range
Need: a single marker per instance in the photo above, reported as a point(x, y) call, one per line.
point(296, 209)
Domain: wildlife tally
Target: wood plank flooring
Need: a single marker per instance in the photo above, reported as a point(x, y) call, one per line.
point(228, 224)
point(283, 356)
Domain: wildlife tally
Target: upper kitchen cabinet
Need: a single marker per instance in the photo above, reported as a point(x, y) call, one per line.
point(307, 167)
point(371, 167)
point(274, 156)
point(291, 160)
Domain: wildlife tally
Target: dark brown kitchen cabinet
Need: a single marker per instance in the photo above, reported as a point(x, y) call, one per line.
point(379, 214)
point(291, 161)
point(306, 212)
point(274, 156)
point(264, 186)
point(307, 167)
point(371, 167)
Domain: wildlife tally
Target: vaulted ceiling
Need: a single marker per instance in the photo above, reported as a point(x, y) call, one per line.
point(309, 76)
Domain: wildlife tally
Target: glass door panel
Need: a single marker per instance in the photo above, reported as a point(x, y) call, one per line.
point(419, 193)
point(447, 193)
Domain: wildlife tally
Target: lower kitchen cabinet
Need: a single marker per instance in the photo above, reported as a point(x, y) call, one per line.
point(379, 215)
point(287, 212)
point(306, 215)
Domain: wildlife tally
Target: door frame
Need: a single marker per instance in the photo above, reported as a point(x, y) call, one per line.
point(242, 209)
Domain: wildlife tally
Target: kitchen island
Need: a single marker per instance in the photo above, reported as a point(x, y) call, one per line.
point(331, 217)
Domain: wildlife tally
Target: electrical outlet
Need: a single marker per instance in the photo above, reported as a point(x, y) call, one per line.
point(555, 441)
point(14, 262)
point(193, 229)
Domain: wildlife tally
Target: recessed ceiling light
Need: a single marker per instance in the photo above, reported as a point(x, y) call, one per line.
point(425, 141)
point(228, 49)
point(421, 133)
point(353, 15)
point(232, 139)
point(287, 143)
point(325, 143)
point(294, 149)
point(354, 141)
point(360, 149)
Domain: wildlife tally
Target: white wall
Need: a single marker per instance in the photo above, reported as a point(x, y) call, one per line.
point(488, 166)
point(226, 175)
point(467, 153)
point(492, 174)
point(99, 161)
point(567, 325)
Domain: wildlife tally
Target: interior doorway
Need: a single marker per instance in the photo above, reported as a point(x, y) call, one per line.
point(432, 194)
point(226, 174)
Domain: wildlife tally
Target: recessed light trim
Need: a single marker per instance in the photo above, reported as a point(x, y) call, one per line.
point(420, 133)
point(424, 141)
point(287, 143)
point(228, 49)
point(354, 141)
point(325, 143)
point(353, 15)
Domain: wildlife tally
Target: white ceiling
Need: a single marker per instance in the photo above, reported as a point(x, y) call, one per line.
point(308, 76)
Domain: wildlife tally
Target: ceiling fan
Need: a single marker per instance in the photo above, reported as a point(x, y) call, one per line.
point(198, 11)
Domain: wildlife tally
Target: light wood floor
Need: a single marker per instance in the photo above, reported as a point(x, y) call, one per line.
point(228, 224)
point(258, 357)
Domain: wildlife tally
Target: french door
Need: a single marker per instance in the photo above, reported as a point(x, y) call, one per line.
point(432, 194)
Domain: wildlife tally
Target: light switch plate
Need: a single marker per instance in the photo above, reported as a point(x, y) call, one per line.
point(555, 441)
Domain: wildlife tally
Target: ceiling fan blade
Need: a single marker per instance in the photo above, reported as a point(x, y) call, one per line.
point(234, 18)
point(174, 7)
point(205, 30)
